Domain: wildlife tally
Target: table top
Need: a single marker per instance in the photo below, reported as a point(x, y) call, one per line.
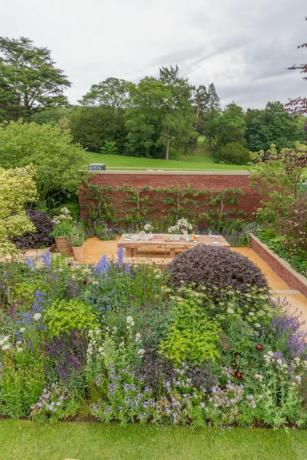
point(166, 239)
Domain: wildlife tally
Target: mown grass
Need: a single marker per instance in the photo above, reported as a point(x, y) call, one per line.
point(189, 162)
point(22, 440)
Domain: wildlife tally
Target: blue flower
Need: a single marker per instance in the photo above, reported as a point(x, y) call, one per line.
point(46, 257)
point(102, 266)
point(120, 257)
point(29, 262)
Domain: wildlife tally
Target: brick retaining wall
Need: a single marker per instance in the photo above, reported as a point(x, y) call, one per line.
point(211, 181)
point(294, 279)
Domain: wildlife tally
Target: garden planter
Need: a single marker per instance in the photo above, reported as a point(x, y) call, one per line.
point(78, 253)
point(63, 246)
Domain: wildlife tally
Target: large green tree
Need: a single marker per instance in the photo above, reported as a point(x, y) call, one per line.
point(230, 126)
point(29, 79)
point(92, 127)
point(273, 125)
point(159, 118)
point(112, 92)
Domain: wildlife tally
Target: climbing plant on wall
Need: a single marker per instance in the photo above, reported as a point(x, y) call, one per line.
point(129, 208)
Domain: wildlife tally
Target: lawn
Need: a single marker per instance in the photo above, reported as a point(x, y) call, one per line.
point(22, 440)
point(191, 162)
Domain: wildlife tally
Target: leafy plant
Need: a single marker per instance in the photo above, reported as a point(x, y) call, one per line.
point(64, 316)
point(17, 188)
point(191, 337)
point(41, 236)
point(215, 268)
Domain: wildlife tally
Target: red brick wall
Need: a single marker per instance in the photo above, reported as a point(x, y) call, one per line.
point(248, 202)
point(295, 281)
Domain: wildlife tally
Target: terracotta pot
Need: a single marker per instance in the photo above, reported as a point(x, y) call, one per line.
point(63, 246)
point(78, 253)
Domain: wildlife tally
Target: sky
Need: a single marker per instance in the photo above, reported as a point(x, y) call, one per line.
point(243, 46)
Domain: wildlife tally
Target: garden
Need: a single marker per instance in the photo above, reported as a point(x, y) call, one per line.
point(137, 353)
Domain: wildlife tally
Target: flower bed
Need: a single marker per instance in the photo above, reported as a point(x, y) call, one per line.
point(122, 344)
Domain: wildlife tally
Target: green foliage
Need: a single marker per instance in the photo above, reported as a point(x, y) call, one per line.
point(29, 80)
point(92, 127)
point(230, 127)
point(64, 316)
point(133, 208)
point(273, 125)
point(233, 152)
point(17, 188)
point(21, 382)
point(191, 336)
point(112, 92)
point(63, 224)
point(57, 161)
point(77, 236)
point(109, 148)
point(117, 343)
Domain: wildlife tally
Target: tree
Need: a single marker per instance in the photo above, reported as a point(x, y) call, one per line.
point(92, 127)
point(274, 125)
point(177, 126)
point(200, 100)
point(148, 105)
point(299, 105)
point(56, 160)
point(29, 80)
point(230, 126)
point(17, 188)
point(211, 114)
point(112, 92)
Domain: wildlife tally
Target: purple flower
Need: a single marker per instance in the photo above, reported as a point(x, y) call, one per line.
point(102, 266)
point(127, 268)
point(120, 257)
point(46, 257)
point(38, 301)
point(291, 327)
point(29, 262)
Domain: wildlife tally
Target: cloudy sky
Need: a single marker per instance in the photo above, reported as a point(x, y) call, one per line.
point(243, 46)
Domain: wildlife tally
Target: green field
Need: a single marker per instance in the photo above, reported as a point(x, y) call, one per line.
point(21, 440)
point(189, 162)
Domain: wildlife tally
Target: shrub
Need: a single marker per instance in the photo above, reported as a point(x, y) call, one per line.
point(56, 160)
point(41, 236)
point(233, 152)
point(65, 316)
point(16, 189)
point(192, 336)
point(215, 267)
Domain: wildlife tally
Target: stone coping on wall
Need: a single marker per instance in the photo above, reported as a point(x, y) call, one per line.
point(294, 279)
point(190, 172)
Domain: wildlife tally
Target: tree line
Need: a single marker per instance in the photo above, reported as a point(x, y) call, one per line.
point(156, 118)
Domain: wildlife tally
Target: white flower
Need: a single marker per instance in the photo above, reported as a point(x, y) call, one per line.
point(141, 352)
point(6, 347)
point(37, 316)
point(298, 379)
point(130, 321)
point(137, 337)
point(259, 377)
point(22, 330)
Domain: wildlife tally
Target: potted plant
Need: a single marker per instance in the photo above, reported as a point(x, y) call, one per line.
point(77, 239)
point(62, 229)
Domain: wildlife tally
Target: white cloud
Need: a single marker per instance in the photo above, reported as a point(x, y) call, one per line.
point(244, 47)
